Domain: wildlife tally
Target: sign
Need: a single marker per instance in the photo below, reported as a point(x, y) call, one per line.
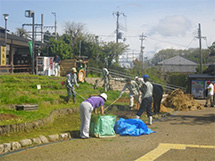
point(30, 47)
point(51, 62)
point(3, 55)
point(198, 87)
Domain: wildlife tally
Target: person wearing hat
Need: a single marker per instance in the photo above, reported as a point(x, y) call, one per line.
point(70, 83)
point(210, 89)
point(105, 77)
point(147, 91)
point(86, 108)
point(133, 88)
point(138, 80)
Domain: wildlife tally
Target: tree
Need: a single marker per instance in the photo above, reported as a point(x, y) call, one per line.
point(21, 33)
point(59, 47)
point(111, 52)
point(212, 49)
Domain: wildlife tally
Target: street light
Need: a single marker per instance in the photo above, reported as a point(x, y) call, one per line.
point(5, 18)
point(30, 14)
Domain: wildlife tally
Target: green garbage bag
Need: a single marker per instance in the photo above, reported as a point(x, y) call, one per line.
point(102, 126)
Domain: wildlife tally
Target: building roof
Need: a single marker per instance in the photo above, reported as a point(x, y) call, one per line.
point(177, 60)
point(201, 76)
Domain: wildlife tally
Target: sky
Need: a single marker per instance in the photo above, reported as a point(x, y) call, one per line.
point(165, 24)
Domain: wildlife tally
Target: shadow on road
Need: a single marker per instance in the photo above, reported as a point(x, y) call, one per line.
point(194, 120)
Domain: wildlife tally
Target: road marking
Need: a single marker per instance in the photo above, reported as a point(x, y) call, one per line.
point(164, 147)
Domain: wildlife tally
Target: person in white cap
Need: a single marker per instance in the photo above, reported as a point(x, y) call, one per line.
point(70, 83)
point(86, 109)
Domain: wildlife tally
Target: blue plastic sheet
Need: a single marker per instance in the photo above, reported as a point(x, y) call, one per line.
point(132, 127)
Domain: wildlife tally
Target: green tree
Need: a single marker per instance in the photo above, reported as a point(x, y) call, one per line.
point(111, 52)
point(60, 48)
point(212, 49)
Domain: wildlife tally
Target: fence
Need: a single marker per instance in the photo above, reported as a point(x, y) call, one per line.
point(15, 68)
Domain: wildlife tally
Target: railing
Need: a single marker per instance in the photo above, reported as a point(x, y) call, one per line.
point(118, 74)
point(15, 68)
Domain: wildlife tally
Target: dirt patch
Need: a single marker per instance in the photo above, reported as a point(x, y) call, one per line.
point(137, 105)
point(123, 111)
point(5, 116)
point(181, 102)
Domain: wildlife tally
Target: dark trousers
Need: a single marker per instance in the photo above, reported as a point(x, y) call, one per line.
point(145, 105)
point(70, 91)
point(157, 104)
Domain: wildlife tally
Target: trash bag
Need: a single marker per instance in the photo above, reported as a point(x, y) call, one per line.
point(132, 127)
point(102, 126)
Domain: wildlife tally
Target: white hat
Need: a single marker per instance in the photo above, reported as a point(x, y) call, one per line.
point(136, 77)
point(103, 95)
point(74, 70)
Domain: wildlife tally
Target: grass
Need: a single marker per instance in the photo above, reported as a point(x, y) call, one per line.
point(22, 89)
point(67, 123)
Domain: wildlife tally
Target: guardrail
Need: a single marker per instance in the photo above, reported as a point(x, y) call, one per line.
point(15, 68)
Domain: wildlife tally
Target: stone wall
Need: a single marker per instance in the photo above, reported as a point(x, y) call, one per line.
point(116, 84)
point(7, 129)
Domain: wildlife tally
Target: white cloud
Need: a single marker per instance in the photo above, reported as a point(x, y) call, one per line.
point(172, 26)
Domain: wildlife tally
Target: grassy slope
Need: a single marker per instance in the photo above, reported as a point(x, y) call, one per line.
point(22, 89)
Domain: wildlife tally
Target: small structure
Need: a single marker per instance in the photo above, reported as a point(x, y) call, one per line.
point(197, 84)
point(178, 64)
point(79, 63)
point(15, 56)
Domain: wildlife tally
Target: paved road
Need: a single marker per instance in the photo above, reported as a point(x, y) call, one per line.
point(186, 136)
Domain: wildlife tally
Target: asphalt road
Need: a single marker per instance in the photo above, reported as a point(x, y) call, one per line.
point(186, 136)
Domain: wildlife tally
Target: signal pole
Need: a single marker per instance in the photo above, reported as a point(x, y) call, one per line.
point(117, 24)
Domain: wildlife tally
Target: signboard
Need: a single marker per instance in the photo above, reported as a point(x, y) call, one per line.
point(197, 89)
point(3, 55)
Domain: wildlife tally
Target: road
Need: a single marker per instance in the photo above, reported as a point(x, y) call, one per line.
point(186, 136)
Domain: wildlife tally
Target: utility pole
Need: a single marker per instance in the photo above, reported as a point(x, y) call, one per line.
point(200, 46)
point(42, 33)
point(55, 24)
point(117, 24)
point(31, 14)
point(142, 37)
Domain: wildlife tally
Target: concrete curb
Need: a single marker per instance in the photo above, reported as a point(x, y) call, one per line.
point(13, 147)
point(9, 148)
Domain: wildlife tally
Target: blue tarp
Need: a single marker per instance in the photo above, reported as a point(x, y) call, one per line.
point(132, 127)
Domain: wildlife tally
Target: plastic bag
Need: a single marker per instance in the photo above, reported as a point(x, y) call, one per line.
point(132, 127)
point(102, 126)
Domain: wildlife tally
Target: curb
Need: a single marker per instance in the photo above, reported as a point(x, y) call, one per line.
point(12, 147)
point(7, 148)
